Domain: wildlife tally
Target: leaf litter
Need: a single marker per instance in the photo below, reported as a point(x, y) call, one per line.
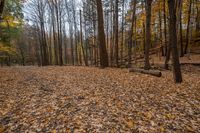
point(83, 99)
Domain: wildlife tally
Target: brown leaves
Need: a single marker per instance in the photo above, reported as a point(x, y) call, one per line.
point(1, 129)
point(130, 124)
point(81, 99)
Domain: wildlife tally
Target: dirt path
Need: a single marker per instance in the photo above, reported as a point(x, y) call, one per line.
point(80, 99)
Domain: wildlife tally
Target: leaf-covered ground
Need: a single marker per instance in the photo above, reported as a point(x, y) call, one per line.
point(81, 99)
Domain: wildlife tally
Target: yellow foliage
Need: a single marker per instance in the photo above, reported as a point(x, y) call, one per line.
point(6, 49)
point(9, 21)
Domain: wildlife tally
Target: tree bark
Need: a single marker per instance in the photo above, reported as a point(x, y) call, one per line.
point(122, 39)
point(181, 30)
point(131, 34)
point(188, 27)
point(148, 33)
point(173, 42)
point(116, 33)
point(81, 39)
point(165, 27)
point(101, 36)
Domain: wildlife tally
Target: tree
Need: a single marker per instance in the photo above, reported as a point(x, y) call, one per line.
point(122, 38)
point(165, 27)
point(116, 33)
point(131, 33)
point(148, 33)
point(81, 40)
point(188, 27)
point(173, 41)
point(179, 24)
point(101, 36)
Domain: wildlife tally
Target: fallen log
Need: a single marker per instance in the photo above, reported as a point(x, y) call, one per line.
point(156, 73)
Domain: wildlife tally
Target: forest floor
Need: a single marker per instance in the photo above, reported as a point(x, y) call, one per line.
point(83, 99)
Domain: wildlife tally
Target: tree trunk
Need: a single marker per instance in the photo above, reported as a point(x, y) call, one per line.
point(131, 34)
point(161, 41)
point(116, 33)
point(81, 39)
point(165, 27)
point(197, 21)
point(188, 27)
point(101, 36)
point(148, 33)
point(122, 39)
point(181, 29)
point(173, 42)
point(112, 33)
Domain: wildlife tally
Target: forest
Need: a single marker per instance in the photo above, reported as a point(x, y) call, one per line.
point(100, 66)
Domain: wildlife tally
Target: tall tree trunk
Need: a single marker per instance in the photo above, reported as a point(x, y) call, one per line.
point(131, 33)
point(198, 20)
point(160, 26)
point(50, 44)
point(81, 39)
point(165, 26)
point(116, 33)
point(122, 39)
point(101, 36)
point(86, 43)
point(188, 27)
point(65, 46)
point(179, 24)
point(75, 30)
point(111, 32)
point(71, 44)
point(60, 37)
point(173, 42)
point(94, 40)
point(148, 33)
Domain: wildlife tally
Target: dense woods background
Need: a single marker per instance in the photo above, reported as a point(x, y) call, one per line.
point(116, 33)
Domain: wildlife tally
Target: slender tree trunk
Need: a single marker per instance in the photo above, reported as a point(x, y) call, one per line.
point(148, 33)
point(173, 42)
point(86, 43)
point(180, 4)
point(161, 39)
point(116, 33)
point(131, 34)
point(60, 36)
point(50, 48)
point(65, 46)
point(71, 44)
point(75, 30)
point(94, 40)
point(198, 20)
point(122, 39)
point(101, 35)
point(112, 32)
point(54, 37)
point(165, 27)
point(81, 39)
point(188, 27)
